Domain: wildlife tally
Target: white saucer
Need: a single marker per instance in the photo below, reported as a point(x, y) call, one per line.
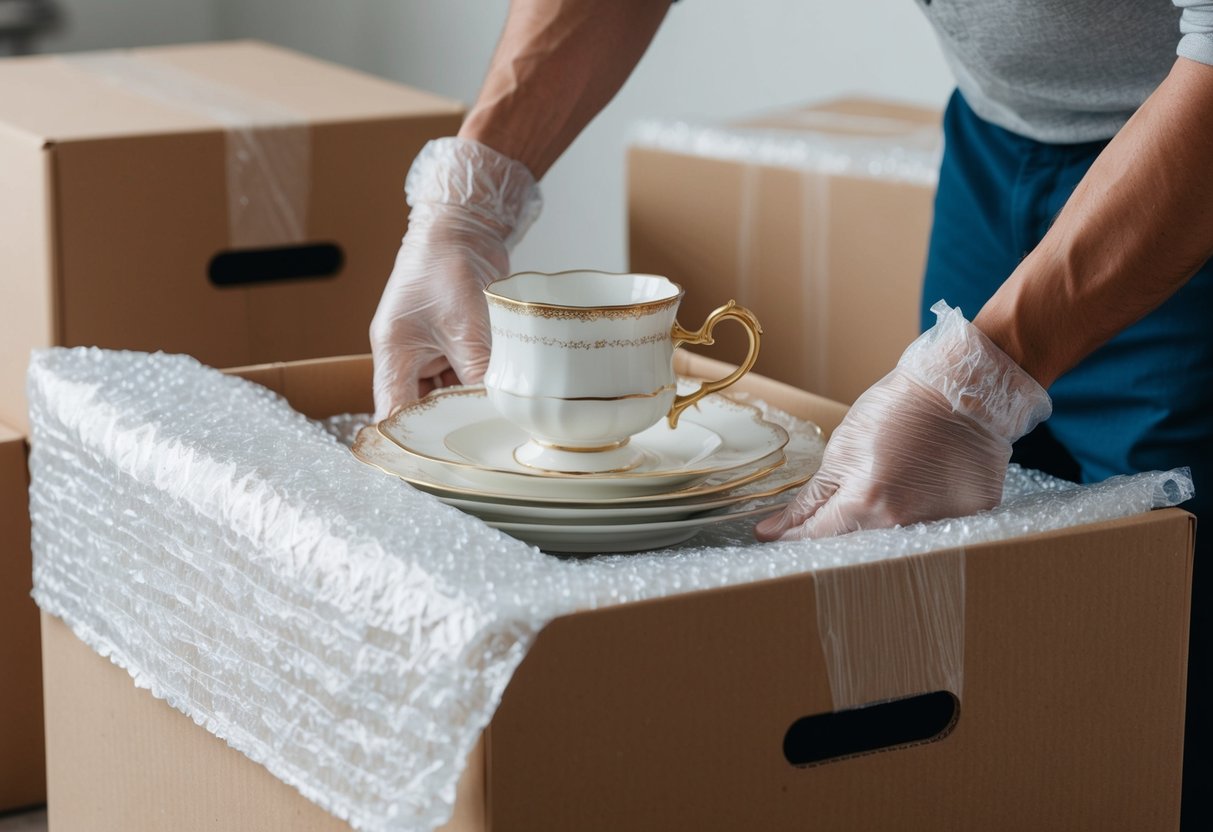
point(457, 430)
point(783, 479)
point(374, 449)
point(636, 537)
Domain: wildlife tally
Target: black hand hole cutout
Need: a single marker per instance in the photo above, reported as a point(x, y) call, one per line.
point(915, 719)
point(249, 266)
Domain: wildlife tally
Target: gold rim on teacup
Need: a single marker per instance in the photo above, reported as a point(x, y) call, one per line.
point(541, 309)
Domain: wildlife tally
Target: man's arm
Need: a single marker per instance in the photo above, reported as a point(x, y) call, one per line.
point(932, 438)
point(1135, 229)
point(559, 62)
point(472, 197)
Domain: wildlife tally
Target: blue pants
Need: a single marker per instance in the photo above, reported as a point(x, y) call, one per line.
point(1143, 401)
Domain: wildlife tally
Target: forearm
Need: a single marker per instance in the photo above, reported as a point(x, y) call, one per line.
point(557, 65)
point(1136, 228)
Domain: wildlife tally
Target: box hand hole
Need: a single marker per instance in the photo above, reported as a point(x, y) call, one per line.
point(916, 719)
point(244, 267)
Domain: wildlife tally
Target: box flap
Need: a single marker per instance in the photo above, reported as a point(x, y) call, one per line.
point(58, 99)
point(320, 387)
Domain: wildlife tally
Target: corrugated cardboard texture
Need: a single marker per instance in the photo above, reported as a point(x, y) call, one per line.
point(671, 714)
point(831, 264)
point(22, 767)
point(123, 203)
point(119, 757)
point(125, 761)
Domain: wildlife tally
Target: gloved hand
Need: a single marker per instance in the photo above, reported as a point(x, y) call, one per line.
point(469, 206)
point(930, 440)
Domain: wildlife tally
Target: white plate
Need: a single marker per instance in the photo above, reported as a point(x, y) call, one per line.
point(458, 430)
point(633, 537)
point(803, 454)
point(375, 450)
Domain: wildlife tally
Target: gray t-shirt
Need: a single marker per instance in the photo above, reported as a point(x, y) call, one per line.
point(1066, 70)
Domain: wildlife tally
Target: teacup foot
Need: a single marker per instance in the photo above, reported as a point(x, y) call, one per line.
point(615, 458)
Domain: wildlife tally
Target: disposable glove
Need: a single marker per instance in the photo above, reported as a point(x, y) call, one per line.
point(469, 206)
point(930, 440)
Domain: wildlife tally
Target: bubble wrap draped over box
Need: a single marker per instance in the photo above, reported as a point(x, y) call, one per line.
point(350, 633)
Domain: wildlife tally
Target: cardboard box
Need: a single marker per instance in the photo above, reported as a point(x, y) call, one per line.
point(135, 214)
point(819, 224)
point(679, 713)
point(22, 768)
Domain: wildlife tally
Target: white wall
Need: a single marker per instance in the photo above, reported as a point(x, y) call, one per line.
point(109, 24)
point(712, 58)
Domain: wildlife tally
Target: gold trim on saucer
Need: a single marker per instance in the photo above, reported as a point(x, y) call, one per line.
point(570, 506)
point(562, 312)
point(478, 390)
point(699, 490)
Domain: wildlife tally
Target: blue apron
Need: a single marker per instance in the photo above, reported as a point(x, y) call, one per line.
point(1141, 402)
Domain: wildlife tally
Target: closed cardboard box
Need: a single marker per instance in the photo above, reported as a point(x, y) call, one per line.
point(22, 775)
point(816, 218)
point(689, 712)
point(234, 201)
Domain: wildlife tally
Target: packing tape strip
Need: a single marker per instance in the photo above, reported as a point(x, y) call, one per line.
point(912, 156)
point(895, 628)
point(268, 146)
point(815, 276)
point(755, 278)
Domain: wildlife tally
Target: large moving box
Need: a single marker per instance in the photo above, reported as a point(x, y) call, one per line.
point(22, 773)
point(234, 201)
point(816, 218)
point(711, 710)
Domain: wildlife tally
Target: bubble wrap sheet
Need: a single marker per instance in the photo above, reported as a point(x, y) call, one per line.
point(812, 144)
point(350, 633)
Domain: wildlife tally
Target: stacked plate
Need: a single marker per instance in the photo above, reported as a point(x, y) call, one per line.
point(725, 461)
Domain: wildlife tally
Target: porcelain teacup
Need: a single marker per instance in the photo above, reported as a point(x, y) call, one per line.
point(583, 360)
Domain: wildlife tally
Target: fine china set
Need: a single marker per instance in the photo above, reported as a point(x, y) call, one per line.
point(581, 440)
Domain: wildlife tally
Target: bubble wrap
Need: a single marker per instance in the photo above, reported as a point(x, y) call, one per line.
point(350, 633)
point(816, 146)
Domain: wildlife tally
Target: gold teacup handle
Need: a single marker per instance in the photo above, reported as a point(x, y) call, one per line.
point(703, 337)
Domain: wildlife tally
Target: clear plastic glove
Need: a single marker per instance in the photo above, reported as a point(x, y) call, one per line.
point(930, 440)
point(469, 206)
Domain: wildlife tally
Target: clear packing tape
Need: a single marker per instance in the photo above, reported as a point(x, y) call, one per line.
point(354, 635)
point(268, 147)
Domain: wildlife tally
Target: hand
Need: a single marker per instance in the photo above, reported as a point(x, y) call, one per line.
point(469, 206)
point(930, 440)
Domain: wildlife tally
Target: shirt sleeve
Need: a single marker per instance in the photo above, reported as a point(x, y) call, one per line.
point(1196, 25)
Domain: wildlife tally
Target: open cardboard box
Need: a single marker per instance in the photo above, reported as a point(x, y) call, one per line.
point(674, 713)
